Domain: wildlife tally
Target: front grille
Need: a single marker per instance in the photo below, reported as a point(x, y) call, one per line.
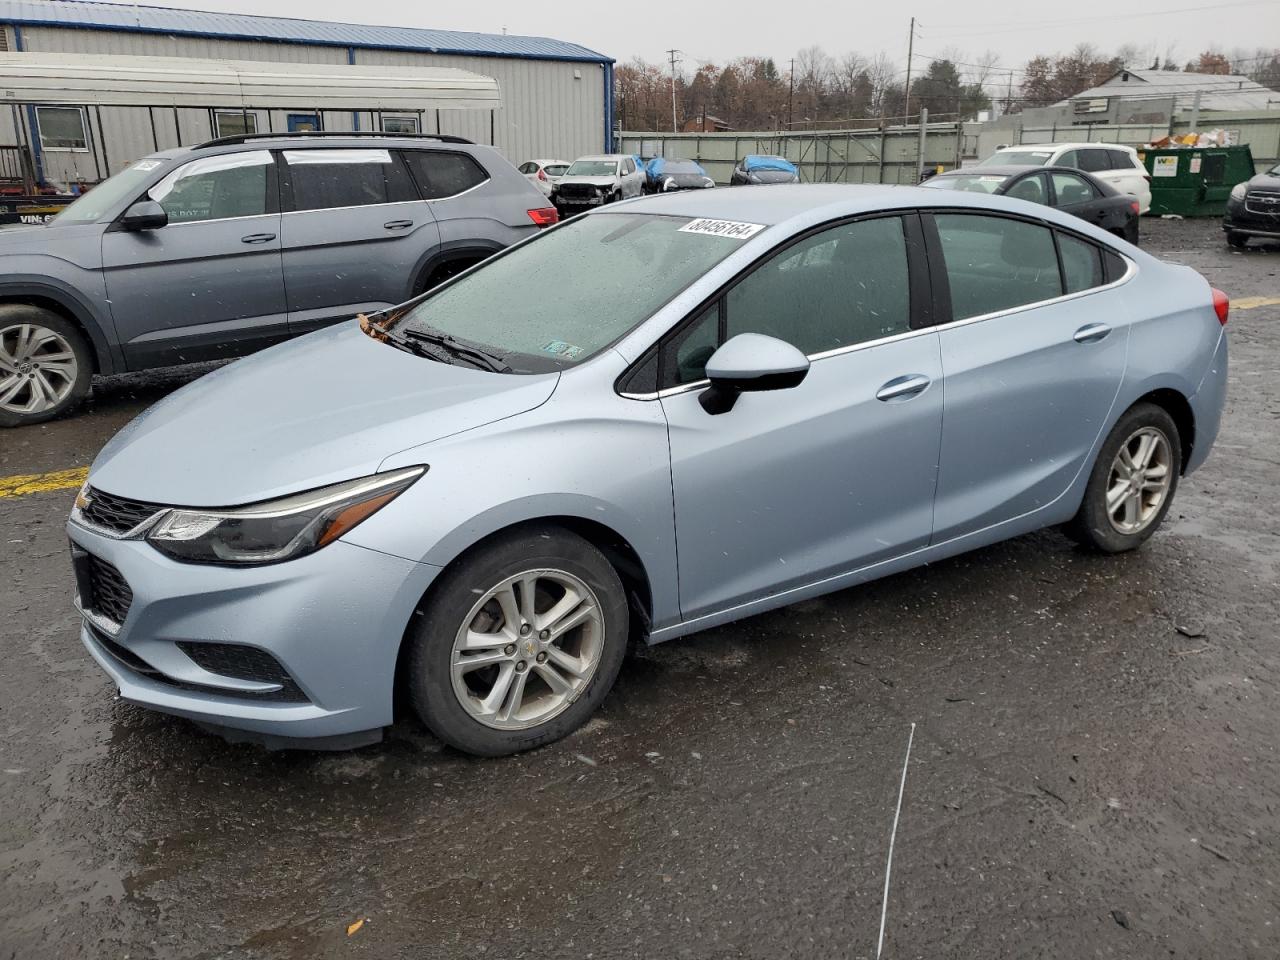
point(109, 592)
point(116, 513)
point(576, 191)
point(135, 664)
point(244, 663)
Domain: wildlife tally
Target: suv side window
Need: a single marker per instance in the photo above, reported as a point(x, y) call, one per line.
point(1081, 263)
point(325, 179)
point(996, 263)
point(442, 174)
point(1092, 160)
point(1120, 160)
point(219, 187)
point(842, 286)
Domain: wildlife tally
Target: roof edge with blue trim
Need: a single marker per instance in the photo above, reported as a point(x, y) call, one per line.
point(91, 14)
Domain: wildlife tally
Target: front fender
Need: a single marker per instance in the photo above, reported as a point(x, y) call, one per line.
point(85, 301)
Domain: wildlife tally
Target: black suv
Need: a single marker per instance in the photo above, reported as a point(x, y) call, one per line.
point(1253, 209)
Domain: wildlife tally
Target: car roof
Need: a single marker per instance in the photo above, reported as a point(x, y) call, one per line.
point(1073, 145)
point(803, 204)
point(544, 161)
point(995, 170)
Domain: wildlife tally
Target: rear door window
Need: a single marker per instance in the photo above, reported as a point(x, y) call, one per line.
point(327, 179)
point(1121, 160)
point(1092, 160)
point(996, 263)
point(441, 174)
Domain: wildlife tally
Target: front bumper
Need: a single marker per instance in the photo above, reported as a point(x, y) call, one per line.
point(333, 621)
point(1238, 218)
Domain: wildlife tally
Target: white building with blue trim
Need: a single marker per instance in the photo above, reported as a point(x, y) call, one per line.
point(553, 98)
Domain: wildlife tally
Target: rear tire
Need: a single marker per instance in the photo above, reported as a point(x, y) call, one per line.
point(1236, 240)
point(1132, 482)
point(46, 365)
point(493, 670)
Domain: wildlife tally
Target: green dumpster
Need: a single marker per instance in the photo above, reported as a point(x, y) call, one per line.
point(1195, 181)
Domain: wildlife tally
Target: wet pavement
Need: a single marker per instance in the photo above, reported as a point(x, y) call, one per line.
point(1094, 768)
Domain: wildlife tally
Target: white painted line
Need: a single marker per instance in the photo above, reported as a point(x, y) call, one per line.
point(888, 867)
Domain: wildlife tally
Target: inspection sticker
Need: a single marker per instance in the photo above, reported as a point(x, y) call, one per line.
point(146, 164)
point(732, 229)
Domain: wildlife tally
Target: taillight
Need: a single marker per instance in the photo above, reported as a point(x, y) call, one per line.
point(542, 174)
point(544, 216)
point(1221, 305)
point(1133, 205)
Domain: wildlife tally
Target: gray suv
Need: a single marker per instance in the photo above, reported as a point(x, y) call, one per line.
point(218, 250)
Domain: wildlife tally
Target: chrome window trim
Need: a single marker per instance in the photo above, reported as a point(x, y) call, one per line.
point(1131, 270)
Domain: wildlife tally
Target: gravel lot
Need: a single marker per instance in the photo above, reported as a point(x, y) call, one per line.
point(1094, 770)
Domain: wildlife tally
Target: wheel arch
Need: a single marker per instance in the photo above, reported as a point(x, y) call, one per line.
point(1174, 403)
point(617, 549)
point(65, 305)
point(462, 255)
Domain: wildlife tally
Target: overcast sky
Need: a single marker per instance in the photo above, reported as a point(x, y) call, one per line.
point(720, 30)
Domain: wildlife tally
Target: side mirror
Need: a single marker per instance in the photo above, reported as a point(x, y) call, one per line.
point(750, 362)
point(144, 215)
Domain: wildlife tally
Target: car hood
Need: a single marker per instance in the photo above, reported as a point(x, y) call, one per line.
point(39, 239)
point(1264, 181)
point(593, 181)
point(326, 407)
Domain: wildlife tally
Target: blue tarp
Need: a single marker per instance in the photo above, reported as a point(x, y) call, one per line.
point(654, 168)
point(755, 161)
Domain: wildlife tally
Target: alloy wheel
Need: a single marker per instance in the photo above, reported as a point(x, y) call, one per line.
point(1139, 481)
point(38, 368)
point(527, 649)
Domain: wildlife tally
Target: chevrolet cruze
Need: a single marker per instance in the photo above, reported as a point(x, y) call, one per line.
point(658, 417)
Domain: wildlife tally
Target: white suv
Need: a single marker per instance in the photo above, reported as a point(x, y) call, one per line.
point(1111, 162)
point(591, 181)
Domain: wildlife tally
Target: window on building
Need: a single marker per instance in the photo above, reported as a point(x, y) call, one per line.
point(400, 125)
point(324, 179)
point(236, 123)
point(62, 128)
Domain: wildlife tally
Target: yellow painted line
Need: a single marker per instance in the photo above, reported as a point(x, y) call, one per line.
point(1248, 303)
point(22, 485)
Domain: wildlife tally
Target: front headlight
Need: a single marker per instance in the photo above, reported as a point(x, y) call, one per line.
point(1239, 190)
point(669, 184)
point(281, 529)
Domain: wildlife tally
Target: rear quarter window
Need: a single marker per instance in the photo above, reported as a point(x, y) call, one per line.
point(442, 174)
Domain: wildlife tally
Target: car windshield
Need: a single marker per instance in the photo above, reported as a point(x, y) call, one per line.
point(556, 169)
point(592, 168)
point(680, 166)
point(557, 300)
point(1017, 158)
point(95, 204)
point(970, 182)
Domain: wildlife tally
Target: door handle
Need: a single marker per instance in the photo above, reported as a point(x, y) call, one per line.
point(1091, 333)
point(398, 224)
point(258, 238)
point(903, 388)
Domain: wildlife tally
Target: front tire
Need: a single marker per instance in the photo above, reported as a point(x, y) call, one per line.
point(45, 365)
point(1132, 483)
point(519, 643)
point(1236, 240)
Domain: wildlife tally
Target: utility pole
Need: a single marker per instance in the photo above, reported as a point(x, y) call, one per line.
point(906, 96)
point(791, 91)
point(1008, 100)
point(672, 54)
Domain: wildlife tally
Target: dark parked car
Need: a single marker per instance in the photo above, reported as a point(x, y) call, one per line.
point(757, 168)
point(215, 251)
point(663, 176)
point(1072, 191)
point(1253, 209)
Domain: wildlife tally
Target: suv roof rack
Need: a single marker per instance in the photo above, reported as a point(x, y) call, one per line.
point(246, 137)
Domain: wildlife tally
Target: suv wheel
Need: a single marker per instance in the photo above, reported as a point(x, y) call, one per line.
point(519, 643)
point(1132, 483)
point(45, 365)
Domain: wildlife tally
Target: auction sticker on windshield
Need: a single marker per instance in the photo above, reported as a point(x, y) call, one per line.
point(733, 229)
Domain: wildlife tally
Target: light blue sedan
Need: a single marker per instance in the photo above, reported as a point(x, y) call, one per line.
point(661, 416)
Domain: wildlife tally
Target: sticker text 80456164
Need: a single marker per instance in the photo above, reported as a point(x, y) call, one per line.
point(733, 229)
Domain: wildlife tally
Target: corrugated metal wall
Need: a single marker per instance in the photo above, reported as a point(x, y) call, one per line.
point(550, 108)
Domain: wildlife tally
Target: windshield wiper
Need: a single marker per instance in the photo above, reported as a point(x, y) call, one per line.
point(482, 358)
point(418, 349)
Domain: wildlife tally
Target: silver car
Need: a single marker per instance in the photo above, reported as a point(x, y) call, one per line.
point(662, 416)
